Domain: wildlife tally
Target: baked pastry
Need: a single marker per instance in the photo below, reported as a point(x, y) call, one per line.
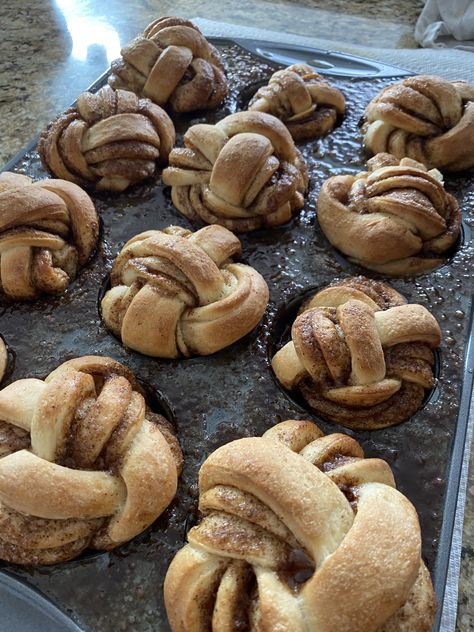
point(110, 140)
point(396, 218)
point(299, 532)
point(176, 293)
point(425, 118)
point(48, 230)
point(173, 64)
point(3, 358)
point(302, 99)
point(360, 355)
point(83, 462)
point(243, 173)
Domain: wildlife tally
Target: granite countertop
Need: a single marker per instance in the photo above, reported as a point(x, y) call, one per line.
point(51, 51)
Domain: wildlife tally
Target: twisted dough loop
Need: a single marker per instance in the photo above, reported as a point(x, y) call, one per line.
point(3, 358)
point(173, 64)
point(273, 517)
point(302, 99)
point(175, 293)
point(243, 173)
point(48, 229)
point(80, 464)
point(425, 118)
point(360, 355)
point(110, 140)
point(396, 218)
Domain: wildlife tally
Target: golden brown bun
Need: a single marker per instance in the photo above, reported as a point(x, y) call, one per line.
point(48, 230)
point(396, 218)
point(300, 532)
point(360, 355)
point(109, 140)
point(3, 358)
point(302, 99)
point(172, 64)
point(244, 173)
point(425, 118)
point(175, 293)
point(82, 462)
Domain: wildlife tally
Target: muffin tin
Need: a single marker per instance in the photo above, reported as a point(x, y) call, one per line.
point(233, 393)
point(27, 610)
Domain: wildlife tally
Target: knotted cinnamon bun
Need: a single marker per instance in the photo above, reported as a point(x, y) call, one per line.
point(83, 462)
point(244, 173)
point(109, 140)
point(176, 293)
point(299, 532)
point(173, 64)
point(48, 230)
point(425, 118)
point(302, 99)
point(360, 355)
point(396, 218)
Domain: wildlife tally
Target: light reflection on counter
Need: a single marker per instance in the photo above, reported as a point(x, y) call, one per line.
point(88, 31)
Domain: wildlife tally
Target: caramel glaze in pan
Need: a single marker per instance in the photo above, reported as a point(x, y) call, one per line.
point(233, 393)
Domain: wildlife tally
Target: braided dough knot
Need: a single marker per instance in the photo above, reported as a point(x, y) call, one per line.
point(396, 218)
point(302, 99)
point(172, 63)
point(243, 173)
point(83, 463)
point(48, 229)
point(300, 532)
point(425, 118)
point(175, 292)
point(357, 363)
point(111, 139)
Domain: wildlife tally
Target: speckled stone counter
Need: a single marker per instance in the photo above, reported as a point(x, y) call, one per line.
point(51, 51)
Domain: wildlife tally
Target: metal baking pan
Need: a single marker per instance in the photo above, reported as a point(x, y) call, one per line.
point(24, 608)
point(233, 393)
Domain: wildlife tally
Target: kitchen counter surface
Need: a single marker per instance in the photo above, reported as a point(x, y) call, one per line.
point(51, 51)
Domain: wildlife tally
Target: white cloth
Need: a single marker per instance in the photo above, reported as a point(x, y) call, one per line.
point(446, 23)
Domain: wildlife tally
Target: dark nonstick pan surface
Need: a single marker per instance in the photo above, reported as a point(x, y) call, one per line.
point(215, 399)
